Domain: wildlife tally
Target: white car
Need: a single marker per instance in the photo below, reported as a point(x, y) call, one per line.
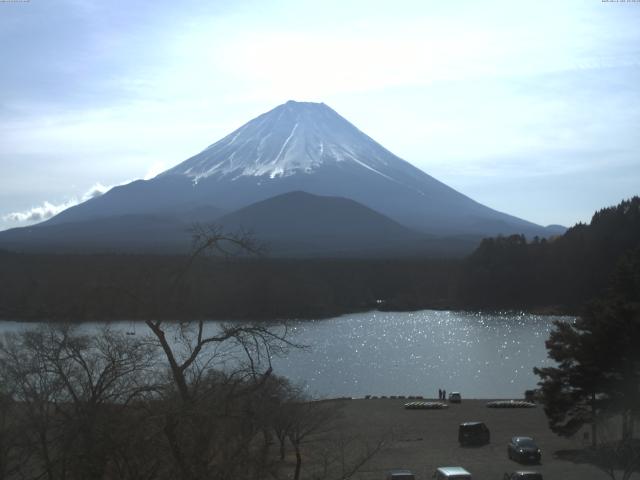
point(451, 473)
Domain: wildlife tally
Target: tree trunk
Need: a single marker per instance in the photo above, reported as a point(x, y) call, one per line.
point(176, 371)
point(170, 427)
point(296, 476)
point(281, 439)
point(44, 444)
point(594, 441)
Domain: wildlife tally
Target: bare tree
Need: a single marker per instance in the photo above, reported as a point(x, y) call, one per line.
point(616, 455)
point(193, 341)
point(25, 373)
point(280, 415)
point(70, 387)
point(317, 431)
point(308, 418)
point(341, 455)
point(197, 425)
point(13, 456)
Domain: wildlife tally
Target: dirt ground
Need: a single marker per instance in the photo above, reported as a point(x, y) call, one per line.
point(422, 440)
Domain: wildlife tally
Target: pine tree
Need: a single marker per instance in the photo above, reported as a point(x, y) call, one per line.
point(598, 359)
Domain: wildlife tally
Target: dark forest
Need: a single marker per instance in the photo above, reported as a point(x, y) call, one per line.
point(555, 275)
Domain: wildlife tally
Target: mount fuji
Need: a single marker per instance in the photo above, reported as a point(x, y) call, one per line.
point(296, 147)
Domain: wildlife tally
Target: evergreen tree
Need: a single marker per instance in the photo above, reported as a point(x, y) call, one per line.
point(598, 371)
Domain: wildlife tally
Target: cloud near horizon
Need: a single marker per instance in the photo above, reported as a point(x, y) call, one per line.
point(47, 209)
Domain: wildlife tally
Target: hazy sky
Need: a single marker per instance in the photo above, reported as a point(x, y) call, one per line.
point(530, 107)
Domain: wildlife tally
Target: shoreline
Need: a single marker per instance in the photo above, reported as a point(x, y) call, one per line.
point(542, 312)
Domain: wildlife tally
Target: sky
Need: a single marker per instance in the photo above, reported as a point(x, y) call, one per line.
point(531, 108)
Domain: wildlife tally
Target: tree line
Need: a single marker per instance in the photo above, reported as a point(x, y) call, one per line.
point(77, 288)
point(556, 275)
point(559, 274)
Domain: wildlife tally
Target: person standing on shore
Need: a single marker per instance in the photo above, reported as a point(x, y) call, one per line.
point(439, 394)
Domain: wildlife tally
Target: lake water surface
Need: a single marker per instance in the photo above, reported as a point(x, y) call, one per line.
point(409, 353)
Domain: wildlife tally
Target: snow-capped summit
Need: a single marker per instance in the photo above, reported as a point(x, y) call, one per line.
point(307, 147)
point(296, 137)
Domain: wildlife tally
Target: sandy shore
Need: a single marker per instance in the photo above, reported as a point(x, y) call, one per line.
point(423, 440)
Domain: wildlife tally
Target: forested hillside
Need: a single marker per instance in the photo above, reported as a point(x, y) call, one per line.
point(504, 273)
point(509, 272)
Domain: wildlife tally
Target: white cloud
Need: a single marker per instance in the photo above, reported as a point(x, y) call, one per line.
point(95, 191)
point(48, 209)
point(39, 213)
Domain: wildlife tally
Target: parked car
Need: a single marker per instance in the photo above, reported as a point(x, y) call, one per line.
point(473, 433)
point(451, 473)
point(524, 449)
point(455, 397)
point(398, 474)
point(523, 475)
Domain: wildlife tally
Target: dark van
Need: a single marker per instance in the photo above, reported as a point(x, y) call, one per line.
point(473, 433)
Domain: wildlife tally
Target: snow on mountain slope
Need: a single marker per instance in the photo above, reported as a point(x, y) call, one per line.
point(294, 138)
point(301, 146)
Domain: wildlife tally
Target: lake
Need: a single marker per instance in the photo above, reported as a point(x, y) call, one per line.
point(409, 353)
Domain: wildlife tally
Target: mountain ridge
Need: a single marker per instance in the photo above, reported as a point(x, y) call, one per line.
point(302, 224)
point(303, 146)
